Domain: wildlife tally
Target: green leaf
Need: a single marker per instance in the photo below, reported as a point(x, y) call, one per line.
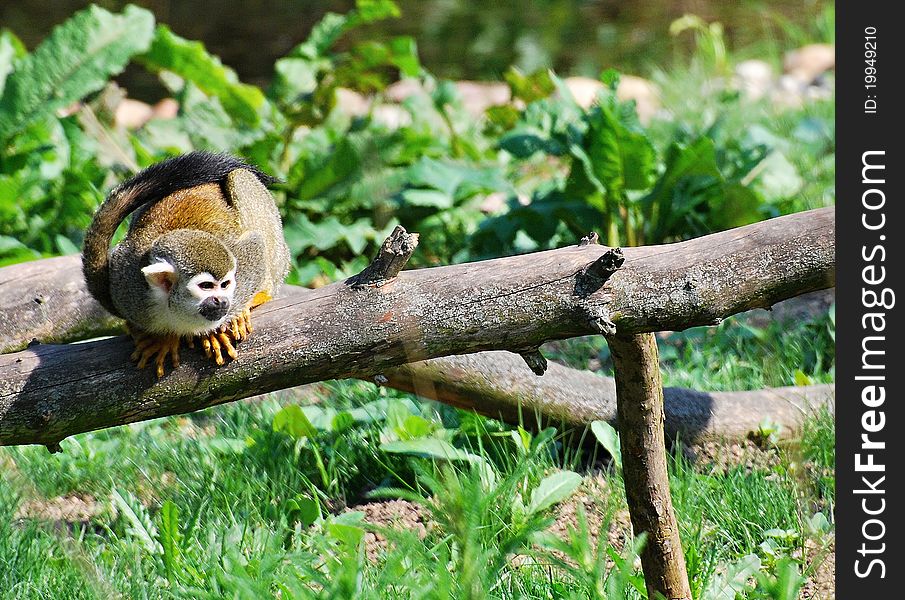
point(801, 379)
point(315, 179)
point(454, 179)
point(430, 448)
point(818, 524)
point(404, 55)
point(414, 427)
point(139, 523)
point(170, 540)
point(77, 59)
point(209, 125)
point(11, 48)
point(65, 246)
point(369, 11)
point(664, 207)
point(303, 509)
point(292, 420)
point(552, 490)
point(732, 582)
point(778, 176)
point(349, 536)
point(737, 205)
point(530, 88)
point(190, 61)
point(622, 159)
point(522, 144)
point(431, 198)
point(12, 250)
point(323, 35)
point(609, 439)
point(610, 78)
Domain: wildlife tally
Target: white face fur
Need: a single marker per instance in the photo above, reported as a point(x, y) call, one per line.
point(204, 285)
point(178, 310)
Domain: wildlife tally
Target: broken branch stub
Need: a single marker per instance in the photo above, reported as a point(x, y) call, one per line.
point(392, 257)
point(535, 361)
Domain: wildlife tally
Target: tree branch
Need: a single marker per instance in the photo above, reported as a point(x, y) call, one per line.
point(496, 384)
point(639, 400)
point(50, 392)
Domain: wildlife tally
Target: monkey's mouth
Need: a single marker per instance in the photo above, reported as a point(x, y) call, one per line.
point(213, 308)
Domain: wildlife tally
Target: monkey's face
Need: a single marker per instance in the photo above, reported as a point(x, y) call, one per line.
point(189, 303)
point(214, 296)
point(192, 281)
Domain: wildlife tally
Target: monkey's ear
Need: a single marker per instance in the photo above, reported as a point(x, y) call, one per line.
point(160, 275)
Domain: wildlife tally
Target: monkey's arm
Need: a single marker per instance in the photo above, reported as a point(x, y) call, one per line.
point(258, 213)
point(251, 269)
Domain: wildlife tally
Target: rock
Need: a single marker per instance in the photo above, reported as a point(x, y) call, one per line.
point(478, 96)
point(132, 114)
point(754, 78)
point(167, 108)
point(584, 90)
point(352, 103)
point(631, 87)
point(643, 92)
point(402, 89)
point(808, 62)
point(391, 116)
point(789, 92)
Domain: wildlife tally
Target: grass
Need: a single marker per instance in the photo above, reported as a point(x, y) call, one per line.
point(220, 504)
point(739, 354)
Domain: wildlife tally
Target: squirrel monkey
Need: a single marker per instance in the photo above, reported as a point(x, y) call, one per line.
point(205, 246)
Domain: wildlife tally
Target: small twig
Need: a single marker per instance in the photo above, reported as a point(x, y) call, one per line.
point(592, 277)
point(601, 321)
point(591, 238)
point(394, 253)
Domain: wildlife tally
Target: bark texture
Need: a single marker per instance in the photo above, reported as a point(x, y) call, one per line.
point(48, 392)
point(639, 397)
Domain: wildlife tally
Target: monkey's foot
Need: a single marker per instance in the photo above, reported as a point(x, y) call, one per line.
point(154, 347)
point(216, 342)
point(259, 299)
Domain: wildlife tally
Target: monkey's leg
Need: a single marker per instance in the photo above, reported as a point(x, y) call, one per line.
point(154, 346)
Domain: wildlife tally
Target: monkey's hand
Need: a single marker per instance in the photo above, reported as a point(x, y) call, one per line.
point(225, 337)
point(154, 346)
point(235, 330)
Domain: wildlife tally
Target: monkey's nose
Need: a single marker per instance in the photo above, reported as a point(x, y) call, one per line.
point(214, 308)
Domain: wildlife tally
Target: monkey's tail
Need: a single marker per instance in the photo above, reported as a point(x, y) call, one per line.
point(96, 251)
point(150, 185)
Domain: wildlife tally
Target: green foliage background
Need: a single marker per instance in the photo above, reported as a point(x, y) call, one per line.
point(248, 500)
point(559, 169)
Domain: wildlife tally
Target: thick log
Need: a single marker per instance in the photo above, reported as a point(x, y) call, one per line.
point(48, 392)
point(494, 383)
point(498, 385)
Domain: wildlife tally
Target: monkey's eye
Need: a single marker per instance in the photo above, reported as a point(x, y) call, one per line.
point(206, 285)
point(225, 284)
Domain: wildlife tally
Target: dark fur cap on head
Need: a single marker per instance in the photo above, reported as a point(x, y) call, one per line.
point(181, 249)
